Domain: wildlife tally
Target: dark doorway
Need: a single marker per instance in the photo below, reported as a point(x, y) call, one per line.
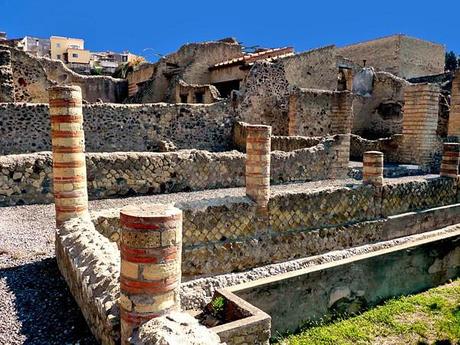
point(226, 87)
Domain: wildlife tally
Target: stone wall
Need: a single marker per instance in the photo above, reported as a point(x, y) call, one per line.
point(379, 114)
point(190, 93)
point(391, 147)
point(27, 179)
point(224, 234)
point(113, 127)
point(190, 63)
point(6, 77)
point(417, 193)
point(400, 55)
point(264, 97)
point(278, 142)
point(393, 151)
point(32, 76)
point(381, 54)
point(313, 69)
point(420, 58)
point(319, 113)
point(90, 264)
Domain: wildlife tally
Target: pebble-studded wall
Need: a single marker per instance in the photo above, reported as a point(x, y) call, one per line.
point(27, 178)
point(224, 235)
point(25, 127)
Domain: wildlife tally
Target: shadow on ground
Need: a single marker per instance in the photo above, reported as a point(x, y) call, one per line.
point(44, 305)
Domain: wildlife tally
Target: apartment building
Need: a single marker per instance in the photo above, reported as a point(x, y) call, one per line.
point(71, 51)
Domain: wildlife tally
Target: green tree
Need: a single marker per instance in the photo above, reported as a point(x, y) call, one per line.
point(451, 61)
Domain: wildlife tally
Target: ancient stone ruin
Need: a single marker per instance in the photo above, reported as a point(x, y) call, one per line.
point(260, 190)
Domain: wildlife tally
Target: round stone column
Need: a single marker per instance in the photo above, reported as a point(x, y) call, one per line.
point(68, 146)
point(150, 246)
point(373, 168)
point(258, 144)
point(450, 160)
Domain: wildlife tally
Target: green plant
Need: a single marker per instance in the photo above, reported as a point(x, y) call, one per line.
point(217, 306)
point(96, 70)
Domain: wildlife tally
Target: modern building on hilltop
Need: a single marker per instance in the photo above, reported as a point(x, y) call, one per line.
point(71, 51)
point(108, 61)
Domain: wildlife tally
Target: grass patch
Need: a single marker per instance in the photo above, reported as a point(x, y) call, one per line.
point(428, 318)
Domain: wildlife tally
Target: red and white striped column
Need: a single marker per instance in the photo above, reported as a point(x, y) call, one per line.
point(450, 160)
point(373, 168)
point(258, 146)
point(150, 245)
point(68, 146)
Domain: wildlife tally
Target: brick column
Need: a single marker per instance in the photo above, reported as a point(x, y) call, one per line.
point(341, 123)
point(150, 246)
point(68, 145)
point(420, 122)
point(341, 112)
point(453, 130)
point(373, 168)
point(450, 160)
point(258, 144)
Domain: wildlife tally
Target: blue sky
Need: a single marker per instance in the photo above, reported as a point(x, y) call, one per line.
point(162, 26)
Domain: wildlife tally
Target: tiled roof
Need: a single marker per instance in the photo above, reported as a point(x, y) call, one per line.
point(269, 55)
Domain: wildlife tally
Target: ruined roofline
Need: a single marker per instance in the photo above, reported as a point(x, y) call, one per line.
point(330, 46)
point(192, 44)
point(399, 35)
point(253, 57)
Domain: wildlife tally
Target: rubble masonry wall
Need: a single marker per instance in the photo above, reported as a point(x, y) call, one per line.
point(25, 127)
point(27, 178)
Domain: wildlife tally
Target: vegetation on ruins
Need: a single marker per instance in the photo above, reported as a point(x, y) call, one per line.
point(123, 70)
point(432, 317)
point(452, 61)
point(217, 306)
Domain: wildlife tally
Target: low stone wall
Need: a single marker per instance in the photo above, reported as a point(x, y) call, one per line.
point(25, 127)
point(392, 149)
point(224, 235)
point(413, 194)
point(292, 143)
point(278, 142)
point(26, 179)
point(90, 264)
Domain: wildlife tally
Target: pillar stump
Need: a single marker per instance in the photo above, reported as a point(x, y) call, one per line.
point(420, 122)
point(258, 144)
point(450, 160)
point(150, 246)
point(453, 130)
point(373, 168)
point(68, 146)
